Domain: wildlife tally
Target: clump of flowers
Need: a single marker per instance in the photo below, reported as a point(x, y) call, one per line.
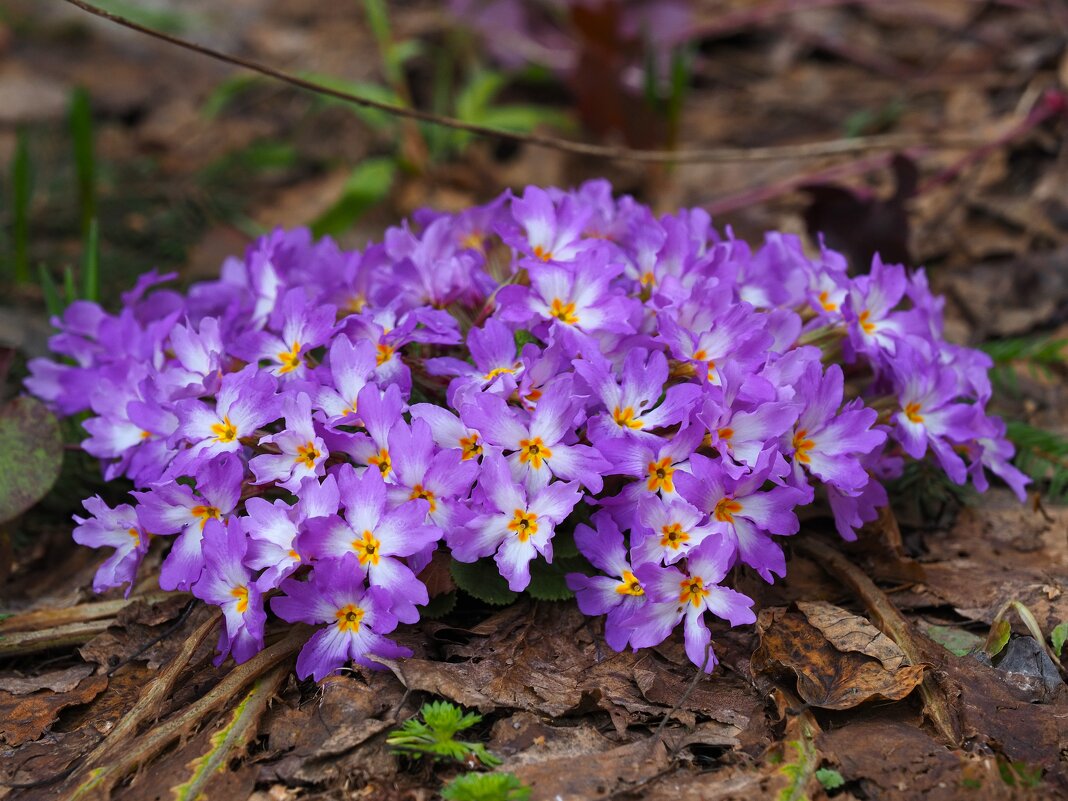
point(306, 431)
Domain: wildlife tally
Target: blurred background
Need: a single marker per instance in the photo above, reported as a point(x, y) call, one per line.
point(121, 153)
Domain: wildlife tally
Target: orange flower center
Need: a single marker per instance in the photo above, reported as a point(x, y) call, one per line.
point(241, 593)
point(564, 312)
point(205, 513)
point(827, 303)
point(534, 452)
point(524, 524)
point(625, 418)
point(367, 549)
point(802, 446)
point(912, 412)
point(425, 494)
point(864, 318)
point(693, 591)
point(471, 447)
point(726, 509)
point(290, 359)
point(349, 617)
point(660, 474)
point(629, 585)
point(384, 353)
point(672, 536)
point(382, 461)
point(307, 454)
point(542, 253)
point(224, 431)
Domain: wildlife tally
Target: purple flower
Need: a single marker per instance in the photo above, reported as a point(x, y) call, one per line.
point(676, 596)
point(874, 327)
point(380, 413)
point(377, 535)
point(514, 524)
point(745, 514)
point(357, 616)
point(495, 365)
point(302, 452)
point(828, 443)
point(116, 528)
point(449, 431)
point(173, 508)
point(304, 326)
point(666, 530)
point(549, 234)
point(245, 402)
point(994, 452)
point(534, 442)
point(634, 406)
point(619, 593)
point(350, 368)
point(228, 584)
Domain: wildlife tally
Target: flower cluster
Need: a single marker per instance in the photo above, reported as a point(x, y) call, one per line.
point(306, 431)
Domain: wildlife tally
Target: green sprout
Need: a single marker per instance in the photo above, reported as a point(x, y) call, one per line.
point(485, 787)
point(435, 735)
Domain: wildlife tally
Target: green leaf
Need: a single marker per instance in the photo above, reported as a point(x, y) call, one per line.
point(478, 93)
point(998, 637)
point(439, 606)
point(547, 582)
point(50, 291)
point(22, 195)
point(829, 778)
point(523, 118)
point(954, 639)
point(485, 787)
point(91, 264)
point(1058, 636)
point(81, 129)
point(31, 455)
point(226, 92)
point(483, 581)
point(379, 120)
point(368, 185)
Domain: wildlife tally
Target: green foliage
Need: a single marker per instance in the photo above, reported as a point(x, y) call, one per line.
point(1039, 355)
point(829, 778)
point(1058, 636)
point(483, 581)
point(91, 264)
point(139, 12)
point(31, 455)
point(368, 185)
point(954, 639)
point(81, 130)
point(998, 637)
point(439, 606)
point(227, 92)
point(798, 770)
point(1020, 774)
point(548, 581)
point(435, 735)
point(1043, 455)
point(485, 787)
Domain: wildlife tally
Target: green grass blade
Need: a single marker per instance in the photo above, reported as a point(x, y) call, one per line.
point(81, 128)
point(50, 292)
point(91, 264)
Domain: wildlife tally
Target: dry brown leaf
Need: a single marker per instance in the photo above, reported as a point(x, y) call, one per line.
point(828, 676)
point(26, 717)
point(578, 778)
point(848, 632)
point(58, 681)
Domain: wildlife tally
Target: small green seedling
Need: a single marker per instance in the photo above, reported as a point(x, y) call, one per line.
point(485, 787)
point(434, 735)
point(830, 778)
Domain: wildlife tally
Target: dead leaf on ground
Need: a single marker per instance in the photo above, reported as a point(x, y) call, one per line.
point(58, 681)
point(577, 778)
point(26, 717)
point(833, 673)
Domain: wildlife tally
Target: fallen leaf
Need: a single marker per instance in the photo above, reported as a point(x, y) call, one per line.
point(577, 778)
point(832, 674)
point(26, 717)
point(31, 454)
point(58, 681)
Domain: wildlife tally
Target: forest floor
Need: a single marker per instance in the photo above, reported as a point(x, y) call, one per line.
point(192, 162)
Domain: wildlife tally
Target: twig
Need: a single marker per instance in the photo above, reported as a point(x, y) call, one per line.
point(682, 700)
point(891, 622)
point(832, 147)
point(167, 632)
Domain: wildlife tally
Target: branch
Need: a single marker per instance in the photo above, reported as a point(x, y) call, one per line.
point(833, 147)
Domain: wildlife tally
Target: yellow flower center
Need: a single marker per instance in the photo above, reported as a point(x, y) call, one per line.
point(496, 371)
point(136, 534)
point(864, 318)
point(625, 418)
point(294, 555)
point(425, 494)
point(693, 591)
point(146, 434)
point(534, 452)
point(802, 445)
point(660, 474)
point(725, 434)
point(349, 617)
point(912, 412)
point(224, 431)
point(307, 454)
point(826, 302)
point(383, 353)
point(648, 278)
point(290, 359)
point(471, 447)
point(355, 304)
point(524, 524)
point(564, 312)
point(726, 509)
point(474, 241)
point(672, 536)
point(629, 585)
point(367, 549)
point(542, 253)
point(699, 355)
point(241, 593)
point(382, 461)
point(205, 513)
